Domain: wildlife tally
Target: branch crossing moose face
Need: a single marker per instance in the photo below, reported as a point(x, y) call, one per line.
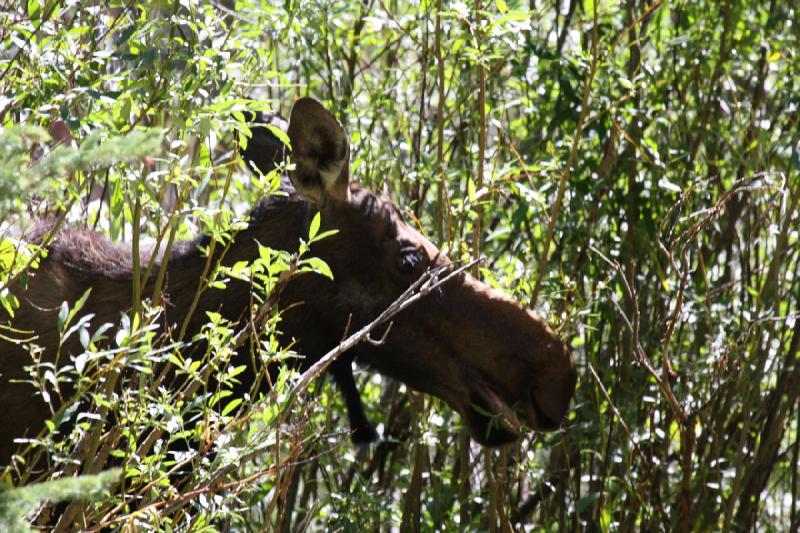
point(483, 353)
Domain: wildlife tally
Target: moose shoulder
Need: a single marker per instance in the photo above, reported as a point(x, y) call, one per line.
point(480, 351)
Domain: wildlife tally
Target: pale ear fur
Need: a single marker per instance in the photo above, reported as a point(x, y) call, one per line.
point(320, 153)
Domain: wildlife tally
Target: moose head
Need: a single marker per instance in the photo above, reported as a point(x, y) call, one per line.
point(479, 350)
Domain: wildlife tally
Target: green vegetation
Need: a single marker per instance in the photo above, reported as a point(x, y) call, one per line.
point(630, 169)
point(15, 504)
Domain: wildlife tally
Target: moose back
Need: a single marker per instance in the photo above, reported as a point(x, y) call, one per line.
point(483, 353)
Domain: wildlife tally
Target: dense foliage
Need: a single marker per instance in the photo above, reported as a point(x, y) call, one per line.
point(630, 169)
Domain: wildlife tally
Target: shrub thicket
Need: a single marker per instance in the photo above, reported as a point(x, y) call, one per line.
point(628, 168)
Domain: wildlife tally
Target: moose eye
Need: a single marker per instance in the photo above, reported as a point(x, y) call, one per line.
point(410, 258)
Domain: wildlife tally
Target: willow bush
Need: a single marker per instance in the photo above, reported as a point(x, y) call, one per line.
point(629, 169)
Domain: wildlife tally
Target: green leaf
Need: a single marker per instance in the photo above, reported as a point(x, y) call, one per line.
point(233, 404)
point(81, 302)
point(325, 234)
point(280, 134)
point(9, 303)
point(205, 126)
point(319, 266)
point(264, 253)
point(314, 228)
point(34, 6)
point(63, 314)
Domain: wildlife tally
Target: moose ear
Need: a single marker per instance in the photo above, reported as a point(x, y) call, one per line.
point(320, 153)
point(264, 150)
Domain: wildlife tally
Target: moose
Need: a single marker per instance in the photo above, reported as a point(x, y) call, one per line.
point(483, 353)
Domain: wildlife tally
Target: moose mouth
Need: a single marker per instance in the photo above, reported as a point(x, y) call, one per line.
point(492, 421)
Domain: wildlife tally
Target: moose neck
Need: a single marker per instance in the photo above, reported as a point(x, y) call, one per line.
point(278, 222)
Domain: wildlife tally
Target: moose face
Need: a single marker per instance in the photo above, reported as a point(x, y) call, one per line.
point(483, 353)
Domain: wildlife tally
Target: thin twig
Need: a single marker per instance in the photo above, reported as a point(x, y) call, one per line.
point(380, 341)
point(642, 357)
point(565, 174)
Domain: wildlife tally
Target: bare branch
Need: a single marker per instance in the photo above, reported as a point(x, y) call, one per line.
point(380, 341)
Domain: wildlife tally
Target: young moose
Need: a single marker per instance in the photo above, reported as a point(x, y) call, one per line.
point(480, 351)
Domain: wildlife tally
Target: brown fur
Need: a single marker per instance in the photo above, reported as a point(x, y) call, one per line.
point(467, 344)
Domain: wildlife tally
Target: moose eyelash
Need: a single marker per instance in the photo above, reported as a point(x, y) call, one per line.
point(410, 258)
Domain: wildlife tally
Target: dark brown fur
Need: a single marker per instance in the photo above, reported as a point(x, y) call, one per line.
point(467, 344)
